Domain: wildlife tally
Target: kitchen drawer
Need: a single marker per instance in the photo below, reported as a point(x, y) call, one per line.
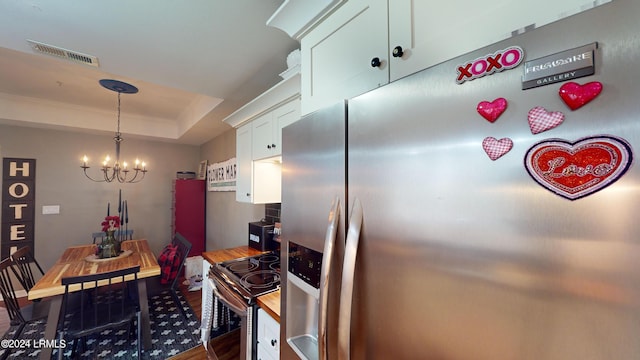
point(268, 336)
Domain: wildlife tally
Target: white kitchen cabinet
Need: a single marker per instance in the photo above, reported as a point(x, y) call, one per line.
point(336, 55)
point(406, 36)
point(267, 129)
point(268, 337)
point(257, 182)
point(429, 35)
point(259, 126)
point(244, 164)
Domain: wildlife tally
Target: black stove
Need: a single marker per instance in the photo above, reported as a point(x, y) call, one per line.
point(251, 276)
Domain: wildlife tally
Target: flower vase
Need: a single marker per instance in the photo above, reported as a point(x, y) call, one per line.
point(109, 245)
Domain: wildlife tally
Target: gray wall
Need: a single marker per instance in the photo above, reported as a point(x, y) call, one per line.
point(83, 203)
point(227, 220)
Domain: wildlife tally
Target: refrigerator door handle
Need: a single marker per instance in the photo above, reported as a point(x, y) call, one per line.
point(348, 273)
point(329, 244)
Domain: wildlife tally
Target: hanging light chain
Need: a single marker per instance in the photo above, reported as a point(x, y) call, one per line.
point(118, 172)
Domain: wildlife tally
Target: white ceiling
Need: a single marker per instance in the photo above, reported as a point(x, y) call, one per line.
point(194, 62)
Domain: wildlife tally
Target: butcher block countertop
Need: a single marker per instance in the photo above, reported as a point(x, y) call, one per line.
point(270, 302)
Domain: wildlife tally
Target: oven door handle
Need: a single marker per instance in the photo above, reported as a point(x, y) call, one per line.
point(221, 292)
point(329, 242)
point(348, 277)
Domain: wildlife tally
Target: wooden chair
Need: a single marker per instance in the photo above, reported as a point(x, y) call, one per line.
point(126, 235)
point(154, 285)
point(24, 260)
point(97, 311)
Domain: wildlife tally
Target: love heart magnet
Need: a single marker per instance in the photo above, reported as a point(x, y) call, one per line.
point(576, 169)
point(542, 120)
point(576, 95)
point(492, 110)
point(496, 148)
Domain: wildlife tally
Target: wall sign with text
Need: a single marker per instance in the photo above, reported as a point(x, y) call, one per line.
point(18, 204)
point(222, 176)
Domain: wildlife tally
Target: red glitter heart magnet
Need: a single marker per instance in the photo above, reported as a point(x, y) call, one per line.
point(492, 110)
point(576, 95)
point(576, 169)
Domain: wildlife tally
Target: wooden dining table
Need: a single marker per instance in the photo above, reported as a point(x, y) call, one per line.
point(77, 260)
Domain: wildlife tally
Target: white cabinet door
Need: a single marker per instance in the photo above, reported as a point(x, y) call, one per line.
point(336, 56)
point(430, 34)
point(268, 337)
point(244, 165)
point(263, 129)
point(267, 129)
point(284, 115)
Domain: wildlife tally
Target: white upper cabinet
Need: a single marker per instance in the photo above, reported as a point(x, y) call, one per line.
point(337, 55)
point(244, 170)
point(258, 141)
point(262, 144)
point(365, 44)
point(430, 34)
point(267, 129)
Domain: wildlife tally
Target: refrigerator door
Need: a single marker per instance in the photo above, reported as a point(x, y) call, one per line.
point(462, 257)
point(313, 180)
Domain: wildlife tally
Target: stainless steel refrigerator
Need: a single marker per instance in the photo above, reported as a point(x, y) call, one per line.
point(442, 252)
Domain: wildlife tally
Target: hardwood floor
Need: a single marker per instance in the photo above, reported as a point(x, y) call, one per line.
point(195, 301)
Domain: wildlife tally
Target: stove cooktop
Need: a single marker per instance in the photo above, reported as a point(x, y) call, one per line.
point(251, 276)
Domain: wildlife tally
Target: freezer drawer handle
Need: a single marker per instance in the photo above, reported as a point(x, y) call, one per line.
point(327, 257)
point(348, 272)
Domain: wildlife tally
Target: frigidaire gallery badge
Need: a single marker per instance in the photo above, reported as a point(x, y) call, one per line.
point(563, 66)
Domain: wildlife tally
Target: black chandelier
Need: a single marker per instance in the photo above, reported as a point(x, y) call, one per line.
point(117, 171)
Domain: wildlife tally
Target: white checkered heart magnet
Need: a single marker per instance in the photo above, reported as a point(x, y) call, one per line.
point(542, 120)
point(496, 148)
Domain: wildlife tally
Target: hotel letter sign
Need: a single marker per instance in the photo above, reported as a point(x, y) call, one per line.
point(18, 204)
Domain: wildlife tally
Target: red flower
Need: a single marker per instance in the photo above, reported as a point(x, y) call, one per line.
point(111, 223)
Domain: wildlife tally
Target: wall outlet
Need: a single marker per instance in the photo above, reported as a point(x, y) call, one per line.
point(50, 209)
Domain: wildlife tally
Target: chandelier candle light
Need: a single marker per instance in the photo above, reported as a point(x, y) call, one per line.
point(118, 171)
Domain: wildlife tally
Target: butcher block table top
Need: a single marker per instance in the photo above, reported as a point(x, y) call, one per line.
point(270, 302)
point(73, 263)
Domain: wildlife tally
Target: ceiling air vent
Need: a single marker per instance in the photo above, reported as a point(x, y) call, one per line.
point(63, 53)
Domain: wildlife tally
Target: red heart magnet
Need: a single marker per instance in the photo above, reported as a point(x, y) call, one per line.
point(542, 120)
point(496, 148)
point(492, 110)
point(576, 95)
point(576, 169)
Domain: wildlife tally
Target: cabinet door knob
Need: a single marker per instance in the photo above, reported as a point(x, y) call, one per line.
point(248, 194)
point(268, 146)
point(273, 146)
point(274, 342)
point(397, 51)
point(375, 62)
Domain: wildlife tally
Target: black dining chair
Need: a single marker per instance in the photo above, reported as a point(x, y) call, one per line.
point(28, 267)
point(93, 312)
point(100, 235)
point(171, 269)
point(18, 316)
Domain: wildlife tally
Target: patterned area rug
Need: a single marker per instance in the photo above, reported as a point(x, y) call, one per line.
point(171, 334)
